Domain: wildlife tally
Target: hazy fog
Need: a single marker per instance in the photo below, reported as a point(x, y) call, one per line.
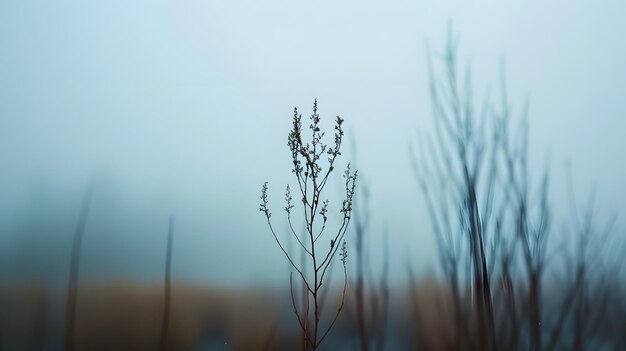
point(185, 107)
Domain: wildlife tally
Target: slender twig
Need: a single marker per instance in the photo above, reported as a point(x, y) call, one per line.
point(72, 290)
point(167, 285)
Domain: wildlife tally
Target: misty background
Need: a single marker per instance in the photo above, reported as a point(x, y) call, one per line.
point(185, 107)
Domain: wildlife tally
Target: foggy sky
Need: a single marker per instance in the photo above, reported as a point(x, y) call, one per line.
point(185, 107)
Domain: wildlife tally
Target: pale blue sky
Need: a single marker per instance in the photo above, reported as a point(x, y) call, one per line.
point(185, 106)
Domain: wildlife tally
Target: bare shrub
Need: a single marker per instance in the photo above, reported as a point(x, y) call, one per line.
point(312, 177)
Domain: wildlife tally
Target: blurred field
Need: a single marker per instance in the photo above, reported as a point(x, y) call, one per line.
point(127, 316)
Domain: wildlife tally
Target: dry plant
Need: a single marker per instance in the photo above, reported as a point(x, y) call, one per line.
point(493, 224)
point(530, 222)
point(474, 176)
point(370, 308)
point(589, 276)
point(167, 283)
point(312, 178)
point(456, 174)
point(72, 289)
